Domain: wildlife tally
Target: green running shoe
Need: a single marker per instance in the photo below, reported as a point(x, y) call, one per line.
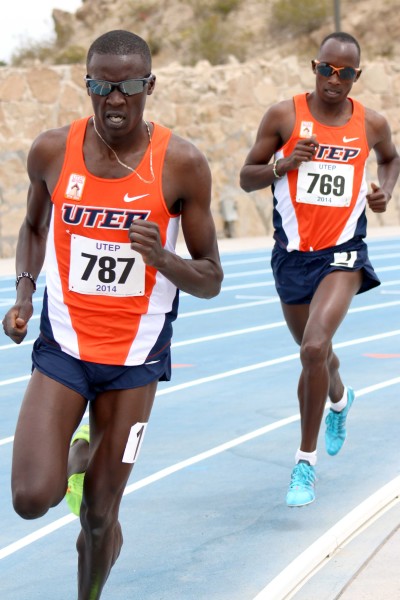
point(74, 492)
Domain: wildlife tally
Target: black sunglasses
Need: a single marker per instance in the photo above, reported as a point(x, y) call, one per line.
point(327, 70)
point(130, 87)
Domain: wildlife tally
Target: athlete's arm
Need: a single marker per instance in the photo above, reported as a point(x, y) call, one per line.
point(273, 132)
point(31, 245)
point(388, 160)
point(187, 182)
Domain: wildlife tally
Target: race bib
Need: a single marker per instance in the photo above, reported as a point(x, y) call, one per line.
point(105, 268)
point(344, 259)
point(325, 184)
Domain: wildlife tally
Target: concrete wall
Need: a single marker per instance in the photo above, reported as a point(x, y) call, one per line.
point(218, 108)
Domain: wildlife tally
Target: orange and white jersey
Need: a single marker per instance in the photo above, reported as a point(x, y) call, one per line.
point(322, 204)
point(102, 303)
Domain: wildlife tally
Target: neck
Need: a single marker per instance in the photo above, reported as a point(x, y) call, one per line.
point(328, 112)
point(123, 164)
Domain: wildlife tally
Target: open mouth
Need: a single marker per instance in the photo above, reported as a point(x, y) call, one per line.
point(115, 119)
point(333, 92)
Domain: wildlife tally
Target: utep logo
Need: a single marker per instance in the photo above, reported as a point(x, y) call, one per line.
point(75, 186)
point(336, 153)
point(100, 217)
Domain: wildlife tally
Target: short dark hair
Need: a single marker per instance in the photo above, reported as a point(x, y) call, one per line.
point(341, 36)
point(122, 43)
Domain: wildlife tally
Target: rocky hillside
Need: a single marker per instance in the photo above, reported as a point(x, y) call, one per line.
point(186, 31)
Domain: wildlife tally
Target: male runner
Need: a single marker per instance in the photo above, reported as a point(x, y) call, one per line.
point(320, 142)
point(106, 196)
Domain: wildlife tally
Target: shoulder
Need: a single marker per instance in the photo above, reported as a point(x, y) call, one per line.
point(47, 153)
point(281, 110)
point(279, 120)
point(50, 141)
point(373, 118)
point(186, 173)
point(183, 153)
point(377, 127)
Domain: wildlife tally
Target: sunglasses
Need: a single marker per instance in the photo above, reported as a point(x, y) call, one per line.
point(130, 87)
point(327, 70)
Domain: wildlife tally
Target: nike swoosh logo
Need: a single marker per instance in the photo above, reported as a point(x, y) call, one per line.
point(346, 139)
point(128, 198)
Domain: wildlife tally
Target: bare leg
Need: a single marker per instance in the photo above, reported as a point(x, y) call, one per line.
point(100, 540)
point(49, 414)
point(314, 327)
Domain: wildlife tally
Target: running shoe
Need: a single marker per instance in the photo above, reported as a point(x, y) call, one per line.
point(301, 487)
point(335, 433)
point(74, 492)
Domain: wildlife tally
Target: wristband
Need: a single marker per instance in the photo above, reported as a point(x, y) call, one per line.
point(276, 175)
point(29, 276)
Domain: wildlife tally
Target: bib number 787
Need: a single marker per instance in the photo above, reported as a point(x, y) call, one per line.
point(106, 269)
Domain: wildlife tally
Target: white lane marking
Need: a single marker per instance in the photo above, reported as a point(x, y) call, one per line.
point(15, 380)
point(302, 568)
point(206, 311)
point(240, 370)
point(7, 440)
point(227, 334)
point(390, 292)
point(232, 372)
point(43, 531)
point(36, 535)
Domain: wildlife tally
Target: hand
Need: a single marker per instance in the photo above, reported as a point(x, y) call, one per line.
point(304, 151)
point(15, 322)
point(145, 238)
point(378, 199)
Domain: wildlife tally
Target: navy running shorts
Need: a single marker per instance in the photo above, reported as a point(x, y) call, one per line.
point(298, 274)
point(89, 379)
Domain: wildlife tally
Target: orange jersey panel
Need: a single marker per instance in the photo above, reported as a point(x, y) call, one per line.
point(104, 304)
point(322, 204)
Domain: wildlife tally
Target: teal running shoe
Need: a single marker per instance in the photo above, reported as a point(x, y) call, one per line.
point(301, 487)
point(335, 433)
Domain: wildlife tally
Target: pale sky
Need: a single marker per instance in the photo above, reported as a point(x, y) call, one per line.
point(29, 20)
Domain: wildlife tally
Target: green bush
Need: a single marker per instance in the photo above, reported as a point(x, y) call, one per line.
point(299, 16)
point(224, 7)
point(71, 56)
point(31, 51)
point(212, 40)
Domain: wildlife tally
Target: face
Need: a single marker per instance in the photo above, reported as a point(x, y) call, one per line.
point(117, 114)
point(338, 54)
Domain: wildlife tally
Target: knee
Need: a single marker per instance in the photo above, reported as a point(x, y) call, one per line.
point(29, 505)
point(314, 352)
point(32, 502)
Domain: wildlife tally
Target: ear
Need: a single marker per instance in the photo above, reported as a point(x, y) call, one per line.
point(313, 65)
point(151, 86)
point(358, 76)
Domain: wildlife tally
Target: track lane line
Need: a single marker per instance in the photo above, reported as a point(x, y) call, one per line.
point(166, 472)
point(301, 569)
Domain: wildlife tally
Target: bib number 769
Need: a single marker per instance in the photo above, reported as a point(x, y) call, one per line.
point(325, 184)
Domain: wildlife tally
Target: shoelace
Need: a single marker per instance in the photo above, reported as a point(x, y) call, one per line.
point(302, 475)
point(335, 421)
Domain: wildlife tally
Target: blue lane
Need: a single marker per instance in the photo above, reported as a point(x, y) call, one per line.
point(219, 528)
